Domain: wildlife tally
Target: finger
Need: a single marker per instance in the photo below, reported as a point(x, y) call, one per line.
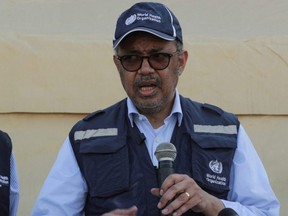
point(171, 180)
point(155, 192)
point(179, 204)
point(179, 186)
point(167, 196)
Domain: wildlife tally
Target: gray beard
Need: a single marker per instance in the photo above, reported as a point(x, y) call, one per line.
point(151, 108)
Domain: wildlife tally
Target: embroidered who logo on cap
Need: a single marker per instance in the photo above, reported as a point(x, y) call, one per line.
point(142, 17)
point(130, 19)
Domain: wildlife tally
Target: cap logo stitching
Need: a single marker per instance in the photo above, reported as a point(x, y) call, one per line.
point(142, 17)
point(130, 19)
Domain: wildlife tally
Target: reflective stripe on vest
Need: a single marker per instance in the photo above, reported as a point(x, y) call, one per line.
point(221, 129)
point(80, 135)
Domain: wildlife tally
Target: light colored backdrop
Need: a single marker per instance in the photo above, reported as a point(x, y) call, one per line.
point(56, 66)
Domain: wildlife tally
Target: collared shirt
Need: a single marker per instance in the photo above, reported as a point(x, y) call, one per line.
point(155, 136)
point(64, 191)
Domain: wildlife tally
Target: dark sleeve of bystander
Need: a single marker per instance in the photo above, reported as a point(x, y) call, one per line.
point(5, 155)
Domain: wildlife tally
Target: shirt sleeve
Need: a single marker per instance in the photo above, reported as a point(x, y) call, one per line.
point(14, 187)
point(250, 190)
point(64, 190)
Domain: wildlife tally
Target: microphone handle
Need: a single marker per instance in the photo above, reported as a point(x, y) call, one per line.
point(165, 169)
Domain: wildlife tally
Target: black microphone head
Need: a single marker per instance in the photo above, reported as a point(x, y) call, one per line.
point(227, 212)
point(165, 151)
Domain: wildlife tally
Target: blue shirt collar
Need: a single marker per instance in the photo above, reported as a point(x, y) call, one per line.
point(176, 109)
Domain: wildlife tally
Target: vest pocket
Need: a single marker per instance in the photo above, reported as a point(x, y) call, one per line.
point(212, 158)
point(105, 165)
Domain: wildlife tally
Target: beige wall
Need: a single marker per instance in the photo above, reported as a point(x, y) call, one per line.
point(56, 65)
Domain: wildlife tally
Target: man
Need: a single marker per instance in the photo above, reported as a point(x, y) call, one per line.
point(9, 187)
point(107, 164)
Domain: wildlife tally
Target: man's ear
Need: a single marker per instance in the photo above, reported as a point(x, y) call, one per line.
point(115, 59)
point(116, 62)
point(182, 61)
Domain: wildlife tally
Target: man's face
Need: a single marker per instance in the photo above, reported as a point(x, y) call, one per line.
point(151, 90)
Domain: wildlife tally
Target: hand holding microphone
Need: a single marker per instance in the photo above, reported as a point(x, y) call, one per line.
point(166, 154)
point(179, 192)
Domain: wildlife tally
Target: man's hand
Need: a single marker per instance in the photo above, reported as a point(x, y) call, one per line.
point(127, 212)
point(181, 193)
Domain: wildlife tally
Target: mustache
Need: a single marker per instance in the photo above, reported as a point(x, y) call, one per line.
point(147, 80)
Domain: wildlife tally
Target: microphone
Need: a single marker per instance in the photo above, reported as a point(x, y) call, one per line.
point(165, 154)
point(227, 212)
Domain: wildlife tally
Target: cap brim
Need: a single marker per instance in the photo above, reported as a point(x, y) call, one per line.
point(151, 31)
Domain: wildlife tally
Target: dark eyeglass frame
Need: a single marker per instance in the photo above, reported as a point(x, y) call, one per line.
point(148, 57)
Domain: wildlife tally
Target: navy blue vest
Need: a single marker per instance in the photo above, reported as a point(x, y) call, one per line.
point(117, 167)
point(5, 154)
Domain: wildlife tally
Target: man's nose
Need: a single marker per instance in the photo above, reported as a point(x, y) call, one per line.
point(146, 67)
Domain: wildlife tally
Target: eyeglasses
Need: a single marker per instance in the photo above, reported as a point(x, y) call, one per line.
point(157, 61)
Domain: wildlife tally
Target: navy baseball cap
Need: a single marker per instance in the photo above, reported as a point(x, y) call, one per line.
point(151, 17)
